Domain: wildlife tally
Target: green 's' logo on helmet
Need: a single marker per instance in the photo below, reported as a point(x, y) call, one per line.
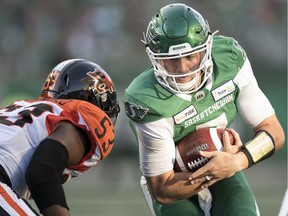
point(201, 21)
point(151, 33)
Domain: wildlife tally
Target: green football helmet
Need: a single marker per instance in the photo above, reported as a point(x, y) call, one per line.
point(177, 31)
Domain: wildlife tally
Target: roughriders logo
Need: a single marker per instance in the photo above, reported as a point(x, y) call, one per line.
point(151, 34)
point(135, 111)
point(200, 19)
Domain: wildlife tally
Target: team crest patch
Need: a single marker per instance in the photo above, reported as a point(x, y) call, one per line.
point(185, 114)
point(135, 111)
point(223, 90)
point(199, 95)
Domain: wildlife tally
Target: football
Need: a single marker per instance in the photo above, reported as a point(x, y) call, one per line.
point(187, 156)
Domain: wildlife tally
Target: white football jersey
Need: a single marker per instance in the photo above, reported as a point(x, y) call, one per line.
point(24, 124)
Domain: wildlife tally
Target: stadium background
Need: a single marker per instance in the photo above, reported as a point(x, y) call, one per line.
point(36, 35)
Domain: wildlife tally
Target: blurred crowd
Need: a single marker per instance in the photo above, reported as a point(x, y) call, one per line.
point(36, 35)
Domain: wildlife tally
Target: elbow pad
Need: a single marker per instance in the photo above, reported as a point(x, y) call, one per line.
point(44, 174)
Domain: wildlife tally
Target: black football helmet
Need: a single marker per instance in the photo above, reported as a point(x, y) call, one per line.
point(82, 80)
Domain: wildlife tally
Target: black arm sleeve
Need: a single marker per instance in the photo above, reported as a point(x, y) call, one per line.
point(44, 172)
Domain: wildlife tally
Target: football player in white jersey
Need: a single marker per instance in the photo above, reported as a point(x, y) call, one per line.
point(58, 136)
point(197, 79)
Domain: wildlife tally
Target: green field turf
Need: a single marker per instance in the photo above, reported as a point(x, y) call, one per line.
point(111, 189)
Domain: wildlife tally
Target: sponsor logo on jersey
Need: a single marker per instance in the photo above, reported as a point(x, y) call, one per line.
point(135, 111)
point(223, 90)
point(209, 111)
point(187, 113)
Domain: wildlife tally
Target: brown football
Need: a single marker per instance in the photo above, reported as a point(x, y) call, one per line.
point(187, 156)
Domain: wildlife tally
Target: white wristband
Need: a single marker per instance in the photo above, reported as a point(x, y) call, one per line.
point(259, 148)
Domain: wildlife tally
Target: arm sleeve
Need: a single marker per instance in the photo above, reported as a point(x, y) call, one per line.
point(252, 104)
point(156, 147)
point(44, 172)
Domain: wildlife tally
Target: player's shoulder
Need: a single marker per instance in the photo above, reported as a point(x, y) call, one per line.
point(224, 47)
point(145, 100)
point(80, 107)
point(224, 41)
point(65, 103)
point(141, 83)
point(72, 107)
point(139, 95)
point(228, 56)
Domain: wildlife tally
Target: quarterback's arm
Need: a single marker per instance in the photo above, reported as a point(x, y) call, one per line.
point(274, 128)
point(170, 187)
point(271, 138)
point(256, 110)
point(157, 155)
point(261, 117)
point(65, 146)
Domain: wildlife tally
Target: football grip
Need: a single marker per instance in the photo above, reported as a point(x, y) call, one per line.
point(187, 157)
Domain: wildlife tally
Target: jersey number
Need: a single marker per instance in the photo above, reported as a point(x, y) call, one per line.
point(25, 115)
point(105, 146)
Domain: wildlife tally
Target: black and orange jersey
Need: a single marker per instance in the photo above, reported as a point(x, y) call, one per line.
point(24, 124)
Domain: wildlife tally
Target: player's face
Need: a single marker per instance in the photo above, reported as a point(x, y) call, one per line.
point(182, 66)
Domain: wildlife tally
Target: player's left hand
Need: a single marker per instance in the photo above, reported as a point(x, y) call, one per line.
point(222, 164)
point(234, 147)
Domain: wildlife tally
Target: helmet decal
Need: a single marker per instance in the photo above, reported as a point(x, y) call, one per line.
point(201, 21)
point(51, 81)
point(100, 84)
point(152, 34)
point(81, 79)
